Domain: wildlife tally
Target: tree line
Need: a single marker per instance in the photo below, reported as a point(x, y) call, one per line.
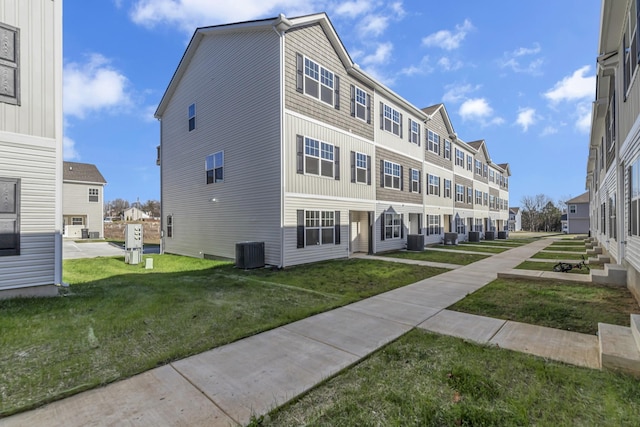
point(115, 208)
point(540, 213)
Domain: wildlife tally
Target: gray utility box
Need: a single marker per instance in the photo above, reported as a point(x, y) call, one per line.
point(474, 236)
point(503, 234)
point(133, 256)
point(490, 235)
point(133, 236)
point(249, 255)
point(450, 238)
point(415, 242)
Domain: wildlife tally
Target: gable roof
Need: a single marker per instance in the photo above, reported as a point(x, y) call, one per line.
point(432, 110)
point(281, 24)
point(583, 198)
point(82, 172)
point(480, 145)
point(515, 210)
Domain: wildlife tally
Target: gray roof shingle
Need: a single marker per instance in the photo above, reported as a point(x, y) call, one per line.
point(82, 172)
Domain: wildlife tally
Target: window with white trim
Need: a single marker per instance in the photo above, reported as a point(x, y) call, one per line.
point(478, 197)
point(360, 99)
point(415, 180)
point(469, 162)
point(192, 117)
point(492, 177)
point(392, 226)
point(447, 188)
point(433, 225)
point(477, 224)
point(485, 169)
point(318, 157)
point(169, 225)
point(77, 220)
point(459, 158)
point(447, 149)
point(433, 142)
point(492, 201)
point(460, 226)
point(414, 135)
point(459, 193)
point(214, 167)
point(391, 175)
point(434, 185)
point(469, 195)
point(478, 167)
point(392, 120)
point(94, 195)
point(361, 168)
point(318, 81)
point(573, 209)
point(319, 227)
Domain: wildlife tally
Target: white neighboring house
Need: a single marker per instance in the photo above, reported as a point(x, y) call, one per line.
point(134, 214)
point(83, 203)
point(30, 147)
point(515, 219)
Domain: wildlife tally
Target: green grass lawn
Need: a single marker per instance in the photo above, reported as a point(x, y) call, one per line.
point(570, 306)
point(424, 380)
point(471, 247)
point(568, 243)
point(438, 256)
point(557, 256)
point(548, 266)
point(564, 248)
point(116, 320)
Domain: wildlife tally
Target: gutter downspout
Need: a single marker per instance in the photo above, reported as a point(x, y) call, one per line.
point(280, 26)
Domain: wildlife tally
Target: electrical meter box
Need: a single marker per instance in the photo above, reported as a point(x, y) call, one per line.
point(133, 236)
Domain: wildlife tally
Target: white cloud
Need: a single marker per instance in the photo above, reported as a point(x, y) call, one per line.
point(518, 63)
point(456, 92)
point(189, 14)
point(549, 130)
point(380, 56)
point(353, 8)
point(69, 149)
point(475, 108)
point(526, 117)
point(424, 67)
point(583, 122)
point(479, 110)
point(446, 39)
point(397, 8)
point(448, 64)
point(93, 86)
point(374, 25)
point(574, 87)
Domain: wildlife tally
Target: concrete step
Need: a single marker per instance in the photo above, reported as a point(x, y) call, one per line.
point(612, 274)
point(635, 329)
point(596, 250)
point(600, 259)
point(618, 349)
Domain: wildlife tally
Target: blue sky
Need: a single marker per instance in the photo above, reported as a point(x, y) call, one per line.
point(520, 75)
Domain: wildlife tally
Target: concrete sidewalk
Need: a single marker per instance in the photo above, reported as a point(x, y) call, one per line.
point(227, 385)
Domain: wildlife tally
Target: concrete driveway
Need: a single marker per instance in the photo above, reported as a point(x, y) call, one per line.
point(73, 250)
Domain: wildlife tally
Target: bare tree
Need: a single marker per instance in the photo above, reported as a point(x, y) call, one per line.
point(116, 207)
point(152, 207)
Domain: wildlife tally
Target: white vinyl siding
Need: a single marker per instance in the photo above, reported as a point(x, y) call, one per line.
point(210, 220)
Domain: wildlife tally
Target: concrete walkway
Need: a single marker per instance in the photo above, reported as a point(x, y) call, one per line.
point(227, 385)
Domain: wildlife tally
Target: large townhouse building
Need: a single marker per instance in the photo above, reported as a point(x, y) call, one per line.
point(613, 168)
point(270, 133)
point(30, 147)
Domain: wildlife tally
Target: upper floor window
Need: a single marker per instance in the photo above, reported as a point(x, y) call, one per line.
point(469, 163)
point(485, 198)
point(434, 185)
point(360, 168)
point(459, 158)
point(317, 81)
point(492, 201)
point(433, 140)
point(214, 166)
point(447, 188)
point(9, 64)
point(485, 169)
point(414, 135)
point(469, 195)
point(392, 175)
point(415, 180)
point(492, 176)
point(447, 149)
point(391, 120)
point(459, 193)
point(360, 104)
point(478, 167)
point(573, 209)
point(94, 195)
point(318, 157)
point(192, 117)
point(478, 197)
